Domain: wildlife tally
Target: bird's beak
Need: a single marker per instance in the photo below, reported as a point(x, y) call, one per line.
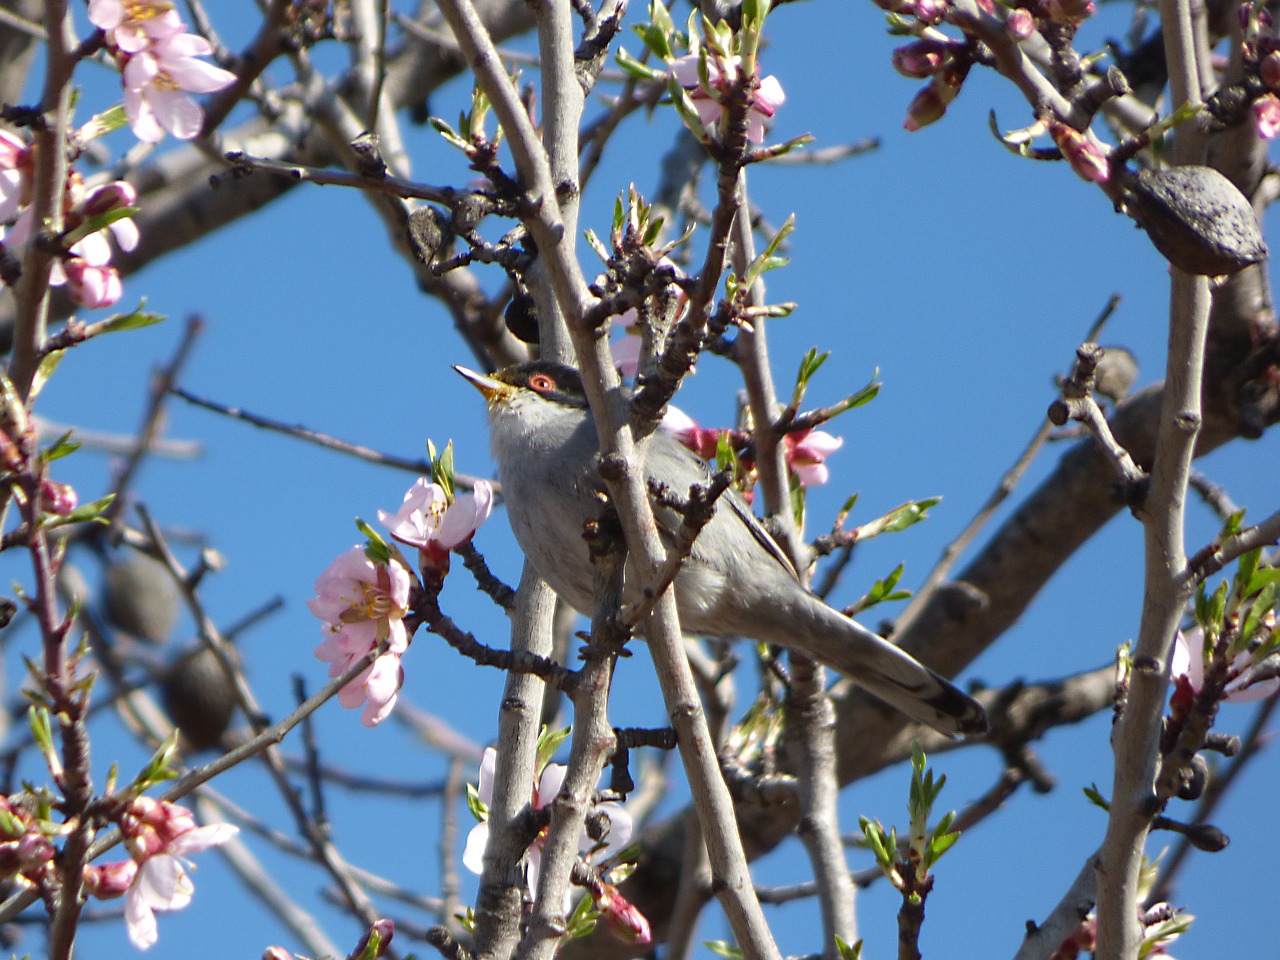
point(492, 389)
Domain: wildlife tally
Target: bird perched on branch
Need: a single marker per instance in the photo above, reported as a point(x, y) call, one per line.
point(736, 581)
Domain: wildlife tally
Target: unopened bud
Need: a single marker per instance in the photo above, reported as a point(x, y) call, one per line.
point(1069, 11)
point(276, 953)
point(921, 59)
point(109, 880)
point(927, 107)
point(932, 12)
point(376, 940)
point(1266, 116)
point(110, 197)
point(58, 498)
point(1085, 157)
point(1020, 24)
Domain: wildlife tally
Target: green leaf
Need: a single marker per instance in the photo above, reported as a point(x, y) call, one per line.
point(1095, 797)
point(660, 17)
point(641, 71)
point(48, 364)
point(549, 742)
point(723, 948)
point(653, 230)
point(98, 222)
point(688, 113)
point(594, 242)
point(849, 951)
point(376, 548)
point(135, 320)
point(103, 123)
point(941, 843)
point(442, 472)
point(60, 448)
point(479, 809)
point(41, 729)
point(85, 513)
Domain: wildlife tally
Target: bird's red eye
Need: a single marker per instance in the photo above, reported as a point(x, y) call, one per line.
point(542, 383)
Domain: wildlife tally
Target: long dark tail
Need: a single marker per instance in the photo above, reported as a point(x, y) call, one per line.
point(886, 672)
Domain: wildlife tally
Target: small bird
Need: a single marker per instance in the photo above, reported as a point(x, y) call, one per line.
point(736, 582)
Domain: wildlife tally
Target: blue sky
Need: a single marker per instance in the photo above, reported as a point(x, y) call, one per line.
point(964, 275)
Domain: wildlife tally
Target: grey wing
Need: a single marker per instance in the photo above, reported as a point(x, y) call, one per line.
point(667, 458)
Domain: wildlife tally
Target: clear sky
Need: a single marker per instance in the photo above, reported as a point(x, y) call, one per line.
point(965, 275)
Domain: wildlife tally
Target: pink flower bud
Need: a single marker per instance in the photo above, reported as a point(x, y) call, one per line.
point(932, 12)
point(109, 197)
point(1266, 116)
point(276, 953)
point(91, 286)
point(58, 498)
point(384, 929)
point(34, 850)
point(1078, 150)
point(624, 920)
point(1021, 24)
point(928, 107)
point(922, 58)
point(109, 880)
point(1069, 11)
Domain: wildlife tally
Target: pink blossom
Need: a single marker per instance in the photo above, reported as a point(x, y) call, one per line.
point(276, 953)
point(765, 101)
point(363, 604)
point(157, 80)
point(701, 440)
point(1266, 116)
point(626, 353)
point(15, 175)
point(375, 689)
point(1083, 154)
point(1187, 670)
point(132, 26)
point(159, 835)
point(543, 790)
point(807, 451)
point(426, 518)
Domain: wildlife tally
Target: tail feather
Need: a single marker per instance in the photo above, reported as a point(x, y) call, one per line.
point(889, 673)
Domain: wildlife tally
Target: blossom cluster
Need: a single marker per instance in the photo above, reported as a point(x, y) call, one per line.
point(160, 65)
point(158, 836)
point(722, 75)
point(362, 600)
point(621, 916)
point(83, 257)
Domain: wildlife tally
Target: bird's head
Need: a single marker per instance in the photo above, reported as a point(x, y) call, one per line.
point(529, 383)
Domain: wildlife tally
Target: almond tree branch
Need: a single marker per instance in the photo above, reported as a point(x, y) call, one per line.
point(626, 484)
point(1135, 740)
